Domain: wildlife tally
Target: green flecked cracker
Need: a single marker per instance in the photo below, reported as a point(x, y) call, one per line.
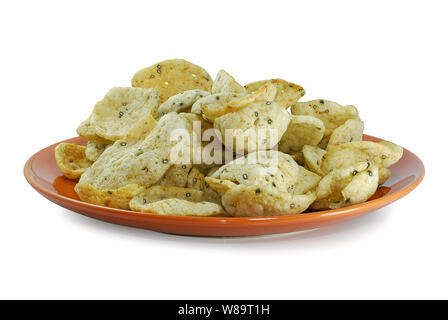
point(119, 111)
point(165, 200)
point(71, 159)
point(287, 92)
point(350, 131)
point(142, 161)
point(302, 130)
point(259, 126)
point(260, 201)
point(382, 154)
point(181, 102)
point(171, 77)
point(346, 186)
point(224, 82)
point(331, 113)
point(94, 150)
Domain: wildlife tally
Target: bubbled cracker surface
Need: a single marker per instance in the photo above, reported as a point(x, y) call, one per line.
point(302, 130)
point(178, 207)
point(114, 116)
point(94, 150)
point(265, 94)
point(251, 123)
point(176, 176)
point(351, 130)
point(347, 186)
point(331, 113)
point(269, 168)
point(214, 101)
point(287, 92)
point(224, 82)
point(171, 77)
point(181, 102)
point(71, 159)
point(259, 201)
point(143, 162)
point(114, 198)
point(348, 154)
point(157, 193)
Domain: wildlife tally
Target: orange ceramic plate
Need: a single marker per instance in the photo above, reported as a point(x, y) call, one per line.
point(43, 174)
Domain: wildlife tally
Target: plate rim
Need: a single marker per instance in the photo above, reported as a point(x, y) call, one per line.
point(32, 179)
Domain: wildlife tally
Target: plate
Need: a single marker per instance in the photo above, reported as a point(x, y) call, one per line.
point(43, 174)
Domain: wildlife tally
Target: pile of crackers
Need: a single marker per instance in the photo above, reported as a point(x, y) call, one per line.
point(271, 154)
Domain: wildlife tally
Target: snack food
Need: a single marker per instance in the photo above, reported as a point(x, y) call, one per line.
point(181, 102)
point(94, 150)
point(287, 93)
point(382, 154)
point(71, 159)
point(313, 156)
point(171, 77)
point(178, 143)
point(273, 168)
point(254, 201)
point(350, 131)
point(141, 161)
point(346, 186)
point(224, 82)
point(331, 113)
point(259, 126)
point(118, 112)
point(175, 201)
point(302, 130)
point(264, 94)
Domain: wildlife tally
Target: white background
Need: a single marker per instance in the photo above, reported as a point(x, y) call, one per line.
point(389, 58)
